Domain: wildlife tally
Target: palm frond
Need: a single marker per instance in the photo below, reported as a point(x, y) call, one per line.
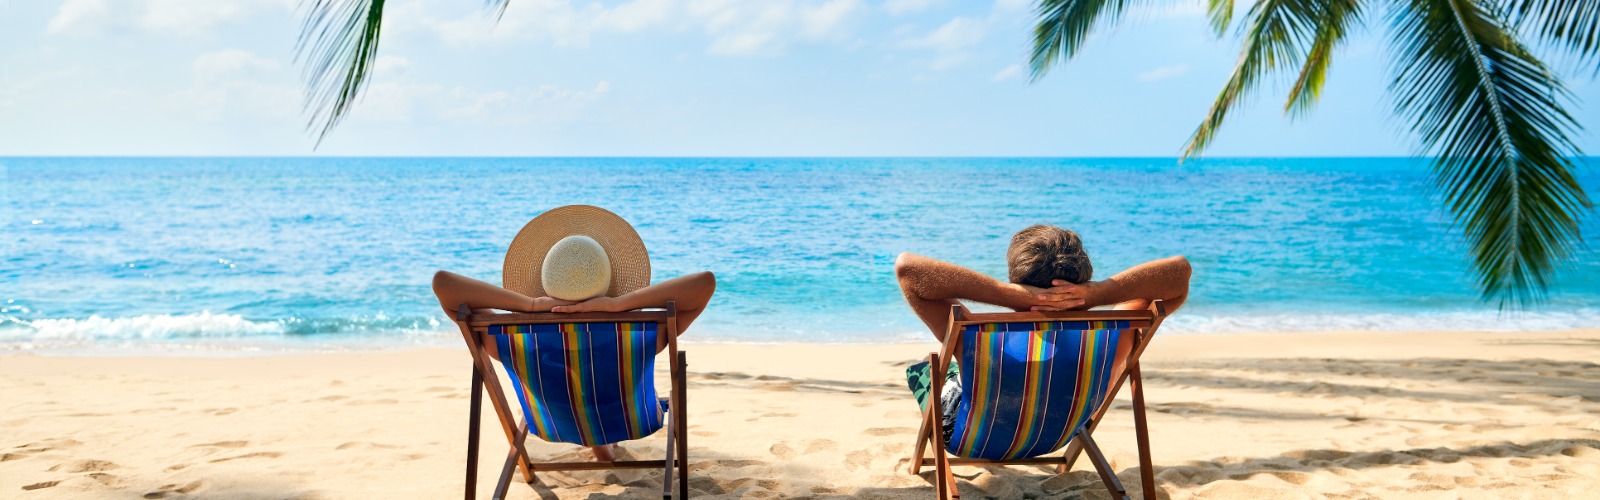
point(498, 7)
point(1491, 115)
point(1335, 20)
point(1574, 24)
point(339, 44)
point(1063, 25)
point(1221, 13)
point(1277, 34)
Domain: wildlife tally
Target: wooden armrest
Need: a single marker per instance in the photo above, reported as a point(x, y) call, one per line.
point(491, 319)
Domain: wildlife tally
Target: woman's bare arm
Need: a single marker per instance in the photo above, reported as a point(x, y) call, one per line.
point(689, 294)
point(454, 290)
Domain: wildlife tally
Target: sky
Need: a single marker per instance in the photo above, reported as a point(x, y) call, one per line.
point(669, 78)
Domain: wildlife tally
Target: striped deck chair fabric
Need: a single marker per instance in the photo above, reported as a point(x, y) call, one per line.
point(1028, 387)
point(583, 383)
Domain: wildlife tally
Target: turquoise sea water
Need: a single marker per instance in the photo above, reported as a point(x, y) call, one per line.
point(336, 253)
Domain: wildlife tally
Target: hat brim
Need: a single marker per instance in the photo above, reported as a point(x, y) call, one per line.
point(630, 263)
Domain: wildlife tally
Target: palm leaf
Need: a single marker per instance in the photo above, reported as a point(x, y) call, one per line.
point(1221, 13)
point(1064, 24)
point(1491, 115)
point(339, 44)
point(498, 7)
point(1574, 24)
point(1335, 19)
point(1276, 35)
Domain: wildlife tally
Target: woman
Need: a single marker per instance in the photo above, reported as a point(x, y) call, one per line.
point(576, 259)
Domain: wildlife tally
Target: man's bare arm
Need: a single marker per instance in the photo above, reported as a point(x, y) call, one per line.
point(1162, 279)
point(931, 286)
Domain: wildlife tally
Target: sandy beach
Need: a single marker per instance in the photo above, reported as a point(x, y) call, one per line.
point(1337, 415)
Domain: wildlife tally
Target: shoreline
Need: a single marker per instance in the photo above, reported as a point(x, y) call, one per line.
point(1240, 415)
point(446, 341)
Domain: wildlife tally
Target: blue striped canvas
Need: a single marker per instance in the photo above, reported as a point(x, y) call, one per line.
point(1027, 387)
point(583, 383)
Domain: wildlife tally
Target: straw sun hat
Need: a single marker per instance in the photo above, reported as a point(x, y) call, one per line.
point(576, 252)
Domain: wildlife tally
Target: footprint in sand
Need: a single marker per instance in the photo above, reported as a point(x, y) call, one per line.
point(76, 466)
point(39, 486)
point(30, 449)
point(816, 445)
point(784, 451)
point(859, 459)
point(104, 479)
point(168, 489)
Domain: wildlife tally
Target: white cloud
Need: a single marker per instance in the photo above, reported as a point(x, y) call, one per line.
point(825, 20)
point(1163, 72)
point(78, 15)
point(1011, 72)
point(900, 7)
point(387, 64)
point(951, 42)
point(240, 99)
point(223, 62)
point(173, 17)
point(739, 44)
point(957, 34)
point(522, 106)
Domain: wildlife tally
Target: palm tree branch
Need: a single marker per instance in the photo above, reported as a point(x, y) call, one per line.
point(339, 44)
point(1492, 116)
point(1221, 13)
point(1572, 23)
point(1062, 27)
point(1276, 35)
point(498, 7)
point(1337, 18)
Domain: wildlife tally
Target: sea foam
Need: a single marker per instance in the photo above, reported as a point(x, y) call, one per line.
point(162, 326)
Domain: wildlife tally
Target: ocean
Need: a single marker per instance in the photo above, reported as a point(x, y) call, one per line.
point(263, 254)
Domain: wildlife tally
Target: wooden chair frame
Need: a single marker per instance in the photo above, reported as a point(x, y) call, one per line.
point(1142, 322)
point(474, 327)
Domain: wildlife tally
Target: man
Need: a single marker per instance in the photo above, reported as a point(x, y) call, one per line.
point(1049, 271)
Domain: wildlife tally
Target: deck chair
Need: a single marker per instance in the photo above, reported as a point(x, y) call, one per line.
point(581, 378)
point(1032, 383)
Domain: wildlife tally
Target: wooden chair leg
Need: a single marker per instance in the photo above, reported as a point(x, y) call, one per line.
point(512, 457)
point(920, 450)
point(473, 415)
point(682, 405)
point(944, 482)
point(1147, 478)
point(1107, 476)
point(672, 438)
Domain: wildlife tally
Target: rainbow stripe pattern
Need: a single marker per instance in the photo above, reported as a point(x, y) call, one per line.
point(1028, 387)
point(583, 383)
